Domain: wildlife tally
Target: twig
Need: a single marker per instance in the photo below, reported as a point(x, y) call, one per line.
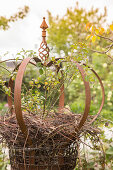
point(102, 52)
point(5, 69)
point(109, 47)
point(16, 137)
point(63, 90)
point(85, 144)
point(106, 38)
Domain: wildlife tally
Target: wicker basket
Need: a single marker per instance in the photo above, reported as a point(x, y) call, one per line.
point(44, 158)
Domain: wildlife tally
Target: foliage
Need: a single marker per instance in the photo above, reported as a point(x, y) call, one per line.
point(79, 25)
point(71, 28)
point(4, 160)
point(5, 22)
point(96, 153)
point(3, 108)
point(106, 35)
point(76, 26)
point(4, 25)
point(4, 73)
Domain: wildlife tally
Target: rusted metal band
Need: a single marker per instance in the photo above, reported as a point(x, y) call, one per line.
point(11, 84)
point(103, 94)
point(17, 99)
point(88, 96)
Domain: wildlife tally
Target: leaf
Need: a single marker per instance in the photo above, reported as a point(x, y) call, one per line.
point(17, 58)
point(93, 39)
point(88, 25)
point(108, 31)
point(97, 31)
point(31, 82)
point(88, 37)
point(46, 83)
point(110, 151)
point(41, 71)
point(13, 78)
point(102, 30)
point(53, 59)
point(98, 38)
point(92, 28)
point(111, 27)
point(36, 81)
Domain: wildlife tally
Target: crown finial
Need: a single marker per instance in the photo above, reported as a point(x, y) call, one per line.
point(44, 24)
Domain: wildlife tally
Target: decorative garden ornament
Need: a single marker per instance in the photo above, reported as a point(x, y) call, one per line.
point(49, 143)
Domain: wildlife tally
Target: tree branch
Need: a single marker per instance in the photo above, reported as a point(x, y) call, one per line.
point(106, 38)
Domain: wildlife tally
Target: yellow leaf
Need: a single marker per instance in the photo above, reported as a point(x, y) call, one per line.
point(111, 27)
point(97, 31)
point(88, 37)
point(39, 85)
point(46, 83)
point(101, 30)
point(108, 31)
point(98, 38)
point(93, 38)
point(92, 28)
point(88, 25)
point(31, 82)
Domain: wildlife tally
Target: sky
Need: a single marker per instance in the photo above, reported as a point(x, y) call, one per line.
point(26, 33)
